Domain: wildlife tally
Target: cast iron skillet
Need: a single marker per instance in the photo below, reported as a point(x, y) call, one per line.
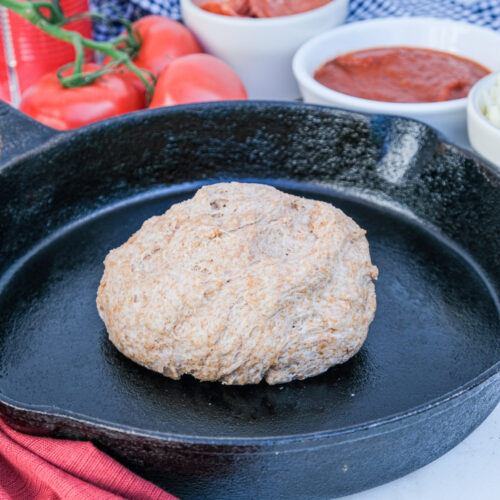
point(426, 377)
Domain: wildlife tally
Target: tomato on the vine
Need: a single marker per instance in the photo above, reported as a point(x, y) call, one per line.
point(65, 108)
point(197, 78)
point(162, 41)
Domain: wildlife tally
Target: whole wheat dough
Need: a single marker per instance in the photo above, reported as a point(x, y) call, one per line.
point(238, 284)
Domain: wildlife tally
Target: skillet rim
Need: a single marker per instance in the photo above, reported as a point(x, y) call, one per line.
point(453, 397)
point(136, 117)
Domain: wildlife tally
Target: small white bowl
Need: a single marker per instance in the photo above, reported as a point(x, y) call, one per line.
point(483, 135)
point(462, 39)
point(261, 50)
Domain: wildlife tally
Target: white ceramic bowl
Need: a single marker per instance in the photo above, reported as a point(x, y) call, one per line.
point(483, 135)
point(261, 50)
point(458, 38)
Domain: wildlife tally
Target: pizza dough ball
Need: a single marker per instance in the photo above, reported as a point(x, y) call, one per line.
point(238, 284)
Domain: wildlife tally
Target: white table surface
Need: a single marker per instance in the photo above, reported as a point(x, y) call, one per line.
point(470, 471)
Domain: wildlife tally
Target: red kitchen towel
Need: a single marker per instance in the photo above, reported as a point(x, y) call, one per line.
point(42, 468)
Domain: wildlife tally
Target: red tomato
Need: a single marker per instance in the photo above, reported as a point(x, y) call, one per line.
point(197, 78)
point(64, 108)
point(163, 40)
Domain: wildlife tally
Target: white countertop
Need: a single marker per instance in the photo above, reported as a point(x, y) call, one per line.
point(470, 471)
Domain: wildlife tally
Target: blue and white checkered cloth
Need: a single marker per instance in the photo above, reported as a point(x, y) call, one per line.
point(481, 12)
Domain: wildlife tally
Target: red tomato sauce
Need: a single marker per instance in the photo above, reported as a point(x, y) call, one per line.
point(260, 8)
point(401, 74)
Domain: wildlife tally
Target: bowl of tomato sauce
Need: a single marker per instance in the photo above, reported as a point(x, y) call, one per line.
point(422, 68)
point(258, 38)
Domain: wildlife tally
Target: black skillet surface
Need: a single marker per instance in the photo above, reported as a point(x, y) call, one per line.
point(426, 377)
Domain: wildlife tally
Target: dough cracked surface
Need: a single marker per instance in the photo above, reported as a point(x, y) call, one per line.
point(238, 284)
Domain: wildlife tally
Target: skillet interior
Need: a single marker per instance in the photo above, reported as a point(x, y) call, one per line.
point(432, 219)
point(435, 329)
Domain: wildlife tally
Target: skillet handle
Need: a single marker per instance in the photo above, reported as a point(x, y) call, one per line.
point(19, 133)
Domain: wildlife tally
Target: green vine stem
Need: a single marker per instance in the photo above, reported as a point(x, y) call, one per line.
point(120, 49)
